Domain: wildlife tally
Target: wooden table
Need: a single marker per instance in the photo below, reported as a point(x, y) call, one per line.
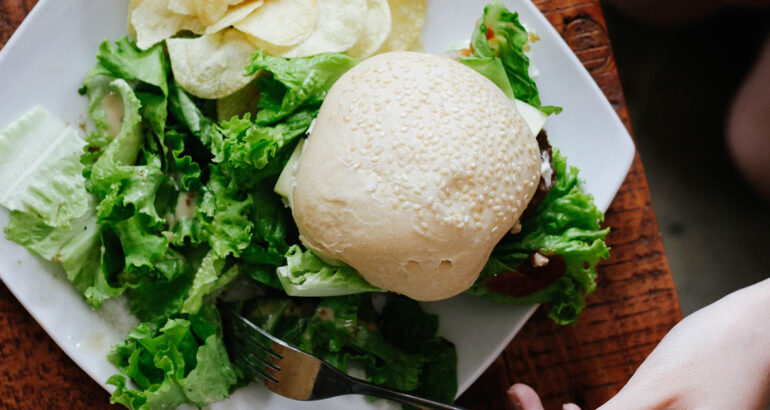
point(632, 309)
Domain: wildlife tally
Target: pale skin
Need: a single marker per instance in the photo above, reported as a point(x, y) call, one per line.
point(716, 358)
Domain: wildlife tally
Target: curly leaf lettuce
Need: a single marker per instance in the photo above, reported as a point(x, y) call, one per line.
point(306, 275)
point(346, 329)
point(224, 208)
point(407, 326)
point(210, 278)
point(252, 153)
point(295, 83)
point(185, 361)
point(146, 71)
point(567, 223)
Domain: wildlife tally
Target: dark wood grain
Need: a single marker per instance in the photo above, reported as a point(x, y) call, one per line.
point(634, 306)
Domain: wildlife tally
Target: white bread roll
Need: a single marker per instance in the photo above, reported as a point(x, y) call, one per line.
point(416, 167)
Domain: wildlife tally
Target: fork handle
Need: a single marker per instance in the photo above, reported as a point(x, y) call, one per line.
point(369, 389)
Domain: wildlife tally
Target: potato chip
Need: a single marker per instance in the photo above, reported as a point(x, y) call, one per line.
point(211, 66)
point(239, 103)
point(207, 11)
point(181, 7)
point(408, 18)
point(234, 15)
point(132, 5)
point(270, 49)
point(340, 23)
point(376, 29)
point(282, 22)
point(154, 22)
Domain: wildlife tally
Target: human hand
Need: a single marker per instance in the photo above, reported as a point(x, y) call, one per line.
point(716, 358)
point(522, 397)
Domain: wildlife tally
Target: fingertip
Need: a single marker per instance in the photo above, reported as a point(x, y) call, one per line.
point(523, 397)
point(570, 406)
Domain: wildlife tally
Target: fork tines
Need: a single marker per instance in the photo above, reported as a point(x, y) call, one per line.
point(250, 348)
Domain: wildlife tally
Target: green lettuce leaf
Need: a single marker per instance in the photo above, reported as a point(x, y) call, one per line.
point(295, 82)
point(76, 248)
point(567, 223)
point(492, 68)
point(308, 276)
point(397, 348)
point(268, 246)
point(135, 191)
point(125, 60)
point(500, 36)
point(210, 278)
point(142, 249)
point(107, 284)
point(184, 167)
point(340, 330)
point(154, 298)
point(407, 326)
point(225, 211)
point(40, 173)
point(252, 153)
point(185, 111)
point(96, 86)
point(145, 71)
point(184, 361)
point(112, 166)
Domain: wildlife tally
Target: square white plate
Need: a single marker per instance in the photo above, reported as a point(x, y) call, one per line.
point(48, 56)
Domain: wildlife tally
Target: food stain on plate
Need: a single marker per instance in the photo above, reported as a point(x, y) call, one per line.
point(95, 342)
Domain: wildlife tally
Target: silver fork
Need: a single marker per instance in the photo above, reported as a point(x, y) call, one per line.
point(297, 375)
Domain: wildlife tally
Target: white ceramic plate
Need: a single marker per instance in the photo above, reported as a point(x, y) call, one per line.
point(48, 56)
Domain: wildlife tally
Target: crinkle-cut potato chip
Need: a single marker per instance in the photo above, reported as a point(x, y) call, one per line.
point(340, 23)
point(154, 22)
point(376, 29)
point(234, 15)
point(211, 66)
point(408, 17)
point(207, 11)
point(239, 103)
point(282, 22)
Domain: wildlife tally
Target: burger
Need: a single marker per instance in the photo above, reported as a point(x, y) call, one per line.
point(415, 168)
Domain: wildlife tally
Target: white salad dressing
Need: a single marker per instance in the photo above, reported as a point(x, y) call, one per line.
point(112, 106)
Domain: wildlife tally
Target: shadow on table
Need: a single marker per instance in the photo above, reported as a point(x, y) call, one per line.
point(678, 83)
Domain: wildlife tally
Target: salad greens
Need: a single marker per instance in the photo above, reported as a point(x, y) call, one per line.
point(498, 50)
point(307, 275)
point(47, 184)
point(565, 224)
point(175, 211)
point(393, 351)
point(182, 361)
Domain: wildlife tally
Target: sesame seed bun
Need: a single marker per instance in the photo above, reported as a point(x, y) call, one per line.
point(416, 167)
